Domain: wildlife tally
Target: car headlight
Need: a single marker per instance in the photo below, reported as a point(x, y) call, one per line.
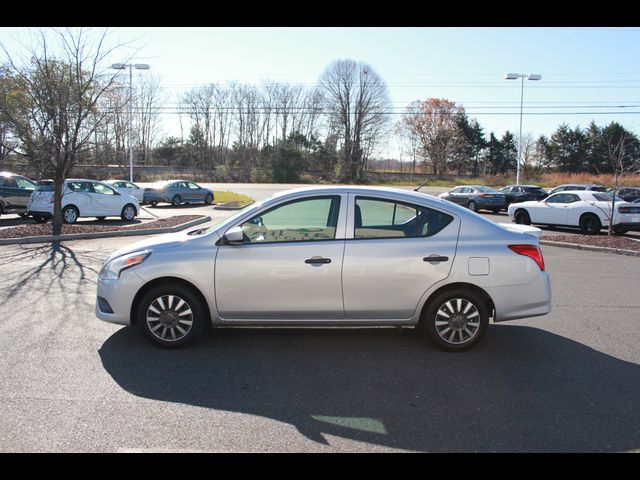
point(112, 269)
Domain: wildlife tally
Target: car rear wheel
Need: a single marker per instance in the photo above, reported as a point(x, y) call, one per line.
point(455, 320)
point(208, 199)
point(70, 214)
point(522, 217)
point(171, 315)
point(176, 201)
point(590, 224)
point(618, 230)
point(472, 206)
point(128, 213)
point(40, 218)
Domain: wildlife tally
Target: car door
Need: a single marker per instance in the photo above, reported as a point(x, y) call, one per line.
point(457, 196)
point(135, 191)
point(385, 268)
point(25, 188)
point(289, 266)
point(196, 194)
point(108, 201)
point(553, 211)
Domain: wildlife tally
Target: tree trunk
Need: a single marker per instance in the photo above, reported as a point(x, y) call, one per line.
point(57, 198)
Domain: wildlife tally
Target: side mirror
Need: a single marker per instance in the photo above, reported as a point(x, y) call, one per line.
point(234, 236)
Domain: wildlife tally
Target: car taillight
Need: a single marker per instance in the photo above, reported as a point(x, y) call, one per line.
point(530, 251)
point(629, 210)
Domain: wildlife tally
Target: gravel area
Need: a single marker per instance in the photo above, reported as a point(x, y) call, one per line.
point(40, 229)
point(623, 243)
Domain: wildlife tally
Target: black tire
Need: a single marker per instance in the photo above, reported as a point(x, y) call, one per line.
point(70, 214)
point(176, 201)
point(472, 206)
point(495, 211)
point(128, 212)
point(618, 230)
point(40, 218)
point(174, 319)
point(23, 215)
point(153, 204)
point(208, 199)
point(590, 224)
point(459, 331)
point(102, 219)
point(522, 217)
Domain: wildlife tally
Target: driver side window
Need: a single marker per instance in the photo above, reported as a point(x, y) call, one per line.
point(297, 221)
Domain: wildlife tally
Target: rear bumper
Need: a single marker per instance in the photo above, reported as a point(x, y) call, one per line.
point(491, 205)
point(40, 213)
point(522, 301)
point(149, 197)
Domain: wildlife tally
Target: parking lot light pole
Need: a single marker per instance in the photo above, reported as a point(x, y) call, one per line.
point(131, 66)
point(515, 76)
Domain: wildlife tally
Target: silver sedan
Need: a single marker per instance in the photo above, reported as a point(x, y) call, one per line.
point(350, 256)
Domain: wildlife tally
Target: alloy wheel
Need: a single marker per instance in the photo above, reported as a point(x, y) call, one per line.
point(169, 318)
point(457, 321)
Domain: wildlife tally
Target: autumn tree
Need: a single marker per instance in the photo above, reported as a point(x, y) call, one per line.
point(51, 105)
point(356, 99)
point(435, 123)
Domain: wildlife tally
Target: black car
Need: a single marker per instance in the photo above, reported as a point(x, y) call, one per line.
point(629, 194)
point(15, 193)
point(523, 193)
point(578, 186)
point(476, 197)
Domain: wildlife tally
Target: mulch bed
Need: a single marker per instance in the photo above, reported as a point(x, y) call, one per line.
point(597, 241)
point(42, 229)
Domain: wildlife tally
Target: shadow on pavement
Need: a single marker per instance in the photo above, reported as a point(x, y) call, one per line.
point(522, 389)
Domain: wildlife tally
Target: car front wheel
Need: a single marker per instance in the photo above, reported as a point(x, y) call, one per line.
point(455, 320)
point(128, 213)
point(171, 315)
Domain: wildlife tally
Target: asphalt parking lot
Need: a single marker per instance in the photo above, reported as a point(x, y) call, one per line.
point(568, 381)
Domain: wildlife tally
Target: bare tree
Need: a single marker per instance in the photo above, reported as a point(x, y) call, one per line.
point(624, 161)
point(434, 123)
point(358, 97)
point(53, 107)
point(147, 121)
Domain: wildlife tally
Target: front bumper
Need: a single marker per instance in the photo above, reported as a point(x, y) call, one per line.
point(117, 296)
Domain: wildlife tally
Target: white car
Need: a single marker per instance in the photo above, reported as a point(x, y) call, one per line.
point(587, 210)
point(83, 198)
point(129, 188)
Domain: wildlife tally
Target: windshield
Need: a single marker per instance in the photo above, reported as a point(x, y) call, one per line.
point(232, 218)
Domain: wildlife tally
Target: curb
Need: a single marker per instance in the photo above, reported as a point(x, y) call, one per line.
point(222, 207)
point(617, 251)
point(122, 233)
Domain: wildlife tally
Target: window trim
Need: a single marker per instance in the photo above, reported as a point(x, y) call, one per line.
point(352, 232)
point(337, 197)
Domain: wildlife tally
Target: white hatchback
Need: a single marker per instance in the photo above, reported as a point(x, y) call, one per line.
point(83, 198)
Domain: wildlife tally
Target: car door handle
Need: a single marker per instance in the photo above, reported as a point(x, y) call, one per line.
point(435, 258)
point(317, 260)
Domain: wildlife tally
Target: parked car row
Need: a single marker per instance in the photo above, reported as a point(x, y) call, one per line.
point(92, 198)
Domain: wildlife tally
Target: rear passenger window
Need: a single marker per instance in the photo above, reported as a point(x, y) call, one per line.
point(375, 218)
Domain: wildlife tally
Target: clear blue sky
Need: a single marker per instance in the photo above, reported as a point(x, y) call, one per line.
point(583, 70)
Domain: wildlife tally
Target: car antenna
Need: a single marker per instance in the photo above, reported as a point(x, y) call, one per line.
point(421, 185)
